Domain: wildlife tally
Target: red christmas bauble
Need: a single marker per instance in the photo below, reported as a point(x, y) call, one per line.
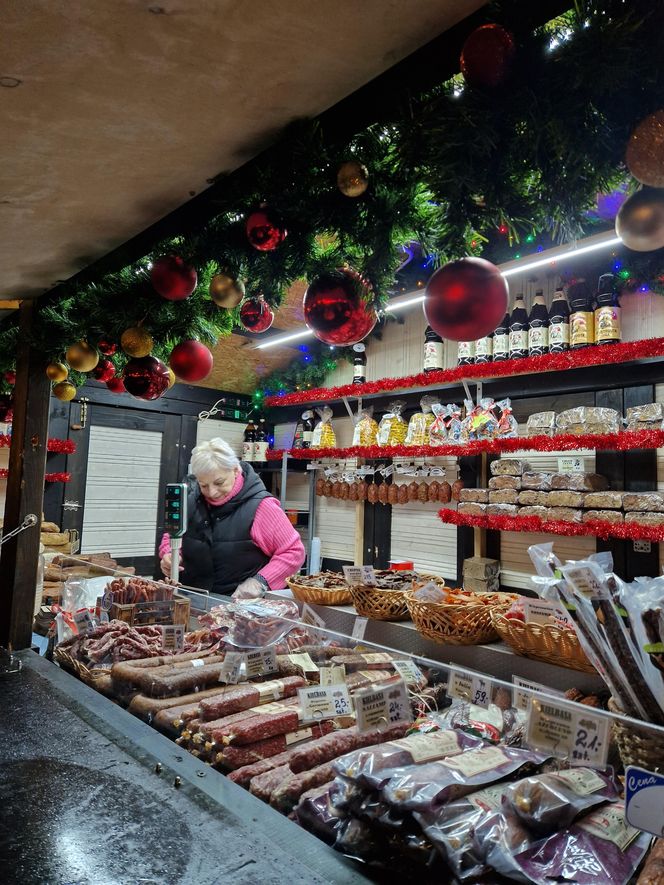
point(191, 361)
point(466, 299)
point(116, 384)
point(146, 377)
point(487, 56)
point(264, 232)
point(106, 347)
point(173, 278)
point(337, 309)
point(256, 315)
point(10, 378)
point(104, 370)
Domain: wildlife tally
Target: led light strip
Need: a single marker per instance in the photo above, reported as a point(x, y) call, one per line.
point(512, 270)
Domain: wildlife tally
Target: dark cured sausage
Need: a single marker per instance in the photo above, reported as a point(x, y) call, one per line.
point(237, 757)
point(243, 697)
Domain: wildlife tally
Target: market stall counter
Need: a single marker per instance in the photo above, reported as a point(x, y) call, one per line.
point(90, 794)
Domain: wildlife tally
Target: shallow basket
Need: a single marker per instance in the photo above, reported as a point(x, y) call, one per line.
point(456, 624)
point(637, 746)
point(97, 678)
point(379, 605)
point(542, 642)
point(318, 595)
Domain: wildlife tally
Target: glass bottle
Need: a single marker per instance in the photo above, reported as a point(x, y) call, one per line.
point(559, 323)
point(359, 364)
point(519, 329)
point(466, 353)
point(433, 351)
point(308, 429)
point(261, 444)
point(249, 441)
point(501, 340)
point(538, 322)
point(607, 311)
point(582, 320)
point(484, 349)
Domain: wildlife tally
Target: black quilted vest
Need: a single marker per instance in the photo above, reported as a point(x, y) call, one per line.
point(217, 550)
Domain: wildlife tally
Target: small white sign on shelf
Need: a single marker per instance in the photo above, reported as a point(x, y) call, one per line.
point(571, 465)
point(469, 687)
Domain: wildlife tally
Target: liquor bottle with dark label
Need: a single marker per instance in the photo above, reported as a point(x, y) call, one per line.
point(607, 312)
point(559, 323)
point(484, 349)
point(261, 444)
point(298, 435)
point(538, 322)
point(359, 364)
point(519, 329)
point(249, 442)
point(466, 350)
point(501, 340)
point(433, 351)
point(308, 429)
point(582, 319)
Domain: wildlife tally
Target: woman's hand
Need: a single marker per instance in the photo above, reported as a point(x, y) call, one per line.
point(165, 565)
point(252, 588)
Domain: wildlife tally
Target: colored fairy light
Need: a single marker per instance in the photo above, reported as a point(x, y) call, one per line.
point(502, 229)
point(530, 238)
point(624, 274)
point(303, 348)
point(540, 248)
point(518, 255)
point(307, 359)
point(617, 265)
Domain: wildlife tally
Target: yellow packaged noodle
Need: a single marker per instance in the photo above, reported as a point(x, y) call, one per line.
point(366, 429)
point(392, 429)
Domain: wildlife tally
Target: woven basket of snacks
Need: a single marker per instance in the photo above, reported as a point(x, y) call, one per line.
point(637, 746)
point(387, 600)
point(91, 677)
point(464, 619)
point(542, 642)
point(327, 588)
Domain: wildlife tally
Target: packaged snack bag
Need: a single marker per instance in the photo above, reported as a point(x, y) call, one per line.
point(324, 436)
point(393, 428)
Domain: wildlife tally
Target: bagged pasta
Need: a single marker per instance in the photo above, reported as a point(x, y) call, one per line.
point(438, 427)
point(366, 429)
point(420, 423)
point(324, 436)
point(507, 425)
point(393, 428)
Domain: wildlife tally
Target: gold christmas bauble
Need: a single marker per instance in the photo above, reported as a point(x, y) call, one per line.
point(82, 357)
point(645, 151)
point(57, 372)
point(64, 391)
point(352, 178)
point(640, 221)
point(136, 342)
point(226, 291)
point(171, 376)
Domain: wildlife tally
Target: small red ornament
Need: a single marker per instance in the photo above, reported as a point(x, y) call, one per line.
point(487, 56)
point(337, 308)
point(191, 361)
point(10, 378)
point(466, 299)
point(116, 384)
point(106, 347)
point(256, 314)
point(146, 378)
point(104, 370)
point(173, 278)
point(264, 232)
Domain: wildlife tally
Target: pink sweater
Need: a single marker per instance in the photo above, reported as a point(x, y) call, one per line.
point(272, 533)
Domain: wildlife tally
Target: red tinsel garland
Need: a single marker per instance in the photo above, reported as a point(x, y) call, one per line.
point(50, 477)
point(61, 446)
point(633, 439)
point(624, 531)
point(553, 362)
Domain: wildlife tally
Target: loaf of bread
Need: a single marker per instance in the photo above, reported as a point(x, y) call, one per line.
point(538, 481)
point(504, 496)
point(650, 501)
point(541, 423)
point(588, 419)
point(541, 512)
point(565, 499)
point(471, 509)
point(566, 514)
point(496, 483)
point(645, 518)
point(646, 417)
point(612, 516)
point(531, 498)
point(604, 500)
point(502, 509)
point(508, 467)
point(579, 482)
point(476, 496)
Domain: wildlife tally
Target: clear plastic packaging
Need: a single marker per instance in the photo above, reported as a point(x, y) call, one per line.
point(365, 432)
point(420, 423)
point(541, 424)
point(453, 423)
point(509, 467)
point(438, 428)
point(393, 428)
point(480, 421)
point(588, 419)
point(324, 436)
point(508, 426)
point(646, 417)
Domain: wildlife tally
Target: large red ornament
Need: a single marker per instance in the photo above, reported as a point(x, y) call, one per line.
point(173, 278)
point(10, 378)
point(146, 377)
point(264, 232)
point(337, 308)
point(487, 56)
point(466, 299)
point(191, 361)
point(103, 371)
point(116, 384)
point(256, 315)
point(106, 347)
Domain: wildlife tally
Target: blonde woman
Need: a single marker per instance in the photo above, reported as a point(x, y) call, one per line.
point(238, 538)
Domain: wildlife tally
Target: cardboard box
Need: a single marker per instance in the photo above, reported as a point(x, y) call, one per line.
point(482, 585)
point(480, 567)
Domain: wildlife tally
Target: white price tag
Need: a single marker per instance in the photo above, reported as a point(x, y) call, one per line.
point(332, 675)
point(558, 728)
point(325, 702)
point(198, 662)
point(353, 575)
point(409, 672)
point(541, 611)
point(310, 617)
point(470, 687)
point(382, 706)
point(233, 668)
point(261, 662)
point(584, 580)
point(304, 661)
point(84, 621)
point(522, 698)
point(359, 628)
point(644, 799)
point(571, 465)
point(172, 638)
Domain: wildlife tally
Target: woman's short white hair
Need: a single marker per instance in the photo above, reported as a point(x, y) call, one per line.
point(215, 454)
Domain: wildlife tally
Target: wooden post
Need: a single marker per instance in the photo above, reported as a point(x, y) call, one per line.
point(25, 490)
point(479, 535)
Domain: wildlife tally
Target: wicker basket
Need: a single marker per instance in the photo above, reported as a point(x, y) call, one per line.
point(456, 624)
point(319, 595)
point(542, 642)
point(380, 605)
point(637, 746)
point(96, 678)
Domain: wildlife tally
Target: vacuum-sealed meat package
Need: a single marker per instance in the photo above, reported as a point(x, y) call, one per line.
point(316, 813)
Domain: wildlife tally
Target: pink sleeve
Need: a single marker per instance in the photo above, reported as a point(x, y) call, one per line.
point(275, 536)
point(165, 546)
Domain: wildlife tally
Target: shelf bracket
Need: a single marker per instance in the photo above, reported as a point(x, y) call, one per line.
point(348, 408)
point(284, 480)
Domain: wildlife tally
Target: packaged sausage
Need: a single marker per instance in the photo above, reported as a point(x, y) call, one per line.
point(536, 481)
point(383, 493)
point(335, 745)
point(646, 417)
point(476, 496)
point(316, 813)
point(402, 494)
point(393, 428)
point(579, 482)
point(445, 492)
point(567, 498)
point(541, 424)
point(438, 427)
point(504, 496)
point(509, 467)
point(365, 432)
point(245, 697)
point(615, 517)
point(651, 501)
point(472, 509)
point(324, 436)
point(532, 498)
point(588, 419)
point(604, 500)
point(507, 424)
point(457, 488)
point(499, 483)
point(420, 423)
